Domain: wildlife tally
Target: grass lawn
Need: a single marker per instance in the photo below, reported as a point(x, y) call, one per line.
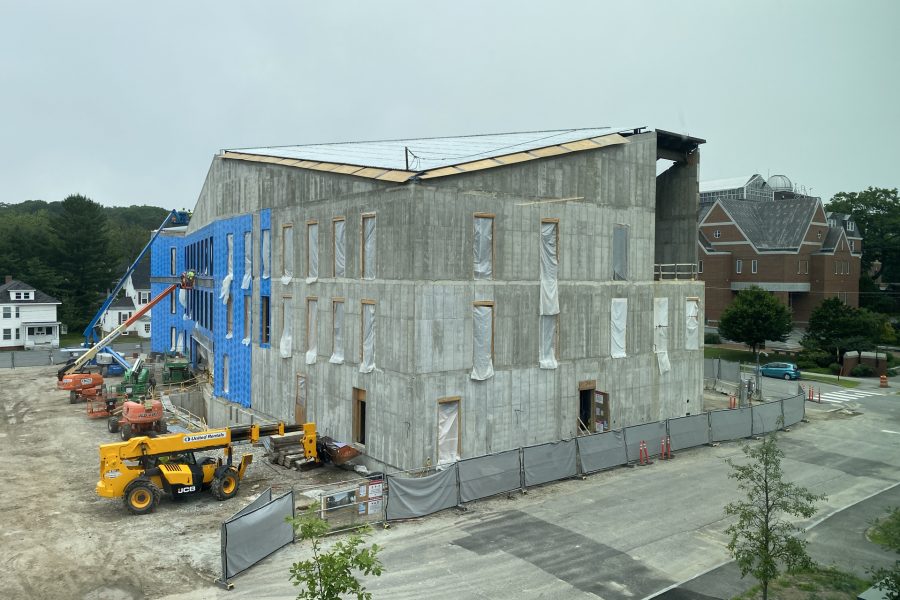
point(70, 340)
point(820, 583)
point(886, 531)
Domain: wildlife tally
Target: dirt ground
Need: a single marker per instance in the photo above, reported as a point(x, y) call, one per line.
point(60, 540)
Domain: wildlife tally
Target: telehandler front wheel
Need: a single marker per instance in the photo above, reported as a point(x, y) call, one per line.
point(225, 486)
point(141, 497)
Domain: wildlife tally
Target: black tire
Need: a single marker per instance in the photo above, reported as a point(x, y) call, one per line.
point(73, 397)
point(226, 485)
point(141, 496)
point(787, 376)
point(113, 424)
point(126, 432)
point(161, 426)
point(104, 371)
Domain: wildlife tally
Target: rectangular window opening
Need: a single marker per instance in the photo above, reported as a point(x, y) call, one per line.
point(312, 329)
point(359, 416)
point(339, 254)
point(754, 266)
point(265, 252)
point(247, 319)
point(483, 340)
point(286, 343)
point(337, 331)
point(483, 246)
point(738, 266)
point(312, 251)
point(620, 253)
point(264, 320)
point(173, 253)
point(368, 247)
point(367, 337)
point(449, 430)
point(287, 252)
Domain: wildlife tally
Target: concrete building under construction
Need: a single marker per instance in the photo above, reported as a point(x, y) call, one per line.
point(432, 299)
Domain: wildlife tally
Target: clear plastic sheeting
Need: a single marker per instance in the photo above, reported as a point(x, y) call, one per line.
point(179, 344)
point(248, 261)
point(549, 462)
point(548, 342)
point(661, 333)
point(300, 401)
point(448, 432)
point(225, 291)
point(312, 334)
point(337, 352)
point(484, 248)
point(692, 325)
point(287, 259)
point(662, 361)
point(312, 258)
point(266, 253)
point(420, 496)
point(367, 365)
point(489, 475)
point(369, 248)
point(618, 319)
point(182, 300)
point(602, 451)
point(285, 346)
point(620, 253)
point(549, 269)
point(340, 254)
point(483, 326)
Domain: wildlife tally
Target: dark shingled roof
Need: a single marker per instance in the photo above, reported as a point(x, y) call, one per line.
point(140, 277)
point(773, 225)
point(123, 303)
point(831, 240)
point(16, 285)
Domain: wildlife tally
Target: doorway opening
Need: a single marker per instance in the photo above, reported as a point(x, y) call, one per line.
point(586, 407)
point(300, 401)
point(359, 416)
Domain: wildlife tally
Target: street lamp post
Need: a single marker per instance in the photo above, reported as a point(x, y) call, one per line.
point(758, 390)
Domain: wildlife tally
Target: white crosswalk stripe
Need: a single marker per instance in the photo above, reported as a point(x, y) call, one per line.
point(846, 396)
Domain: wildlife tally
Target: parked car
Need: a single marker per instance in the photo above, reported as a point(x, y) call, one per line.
point(781, 370)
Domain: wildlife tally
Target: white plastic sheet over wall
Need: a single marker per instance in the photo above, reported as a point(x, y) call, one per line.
point(225, 292)
point(266, 252)
point(369, 248)
point(692, 325)
point(287, 260)
point(367, 365)
point(287, 330)
point(340, 264)
point(483, 326)
point(312, 335)
point(549, 269)
point(483, 247)
point(312, 242)
point(661, 333)
point(337, 353)
point(448, 432)
point(548, 342)
point(618, 319)
point(248, 261)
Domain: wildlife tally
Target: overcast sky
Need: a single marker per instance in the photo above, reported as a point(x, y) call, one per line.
point(127, 102)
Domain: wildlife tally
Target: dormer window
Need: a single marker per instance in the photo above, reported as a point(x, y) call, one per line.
point(832, 223)
point(851, 226)
point(20, 295)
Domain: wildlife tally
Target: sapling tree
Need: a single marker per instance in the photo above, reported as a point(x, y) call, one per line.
point(762, 540)
point(331, 573)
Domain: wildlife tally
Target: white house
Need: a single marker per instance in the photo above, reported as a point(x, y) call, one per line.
point(27, 316)
point(137, 294)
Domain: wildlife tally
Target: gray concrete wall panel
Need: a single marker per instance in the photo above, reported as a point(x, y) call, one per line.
point(687, 432)
point(549, 462)
point(730, 424)
point(602, 451)
point(489, 475)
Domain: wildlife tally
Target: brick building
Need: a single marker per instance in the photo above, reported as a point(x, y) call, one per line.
point(787, 244)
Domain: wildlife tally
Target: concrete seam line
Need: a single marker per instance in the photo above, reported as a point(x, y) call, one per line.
point(807, 528)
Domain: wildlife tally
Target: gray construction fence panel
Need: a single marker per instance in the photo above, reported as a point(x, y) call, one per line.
point(420, 496)
point(729, 371)
point(710, 368)
point(690, 431)
point(489, 475)
point(252, 535)
point(652, 433)
point(549, 462)
point(794, 409)
point(766, 417)
point(602, 451)
point(730, 424)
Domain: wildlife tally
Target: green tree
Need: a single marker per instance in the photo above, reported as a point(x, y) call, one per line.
point(877, 213)
point(82, 258)
point(755, 316)
point(330, 574)
point(837, 327)
point(761, 540)
point(887, 533)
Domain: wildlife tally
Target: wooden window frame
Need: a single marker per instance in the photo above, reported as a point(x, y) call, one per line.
point(309, 223)
point(355, 417)
point(334, 246)
point(362, 323)
point(493, 306)
point(362, 243)
point(310, 299)
point(448, 400)
point(284, 229)
point(555, 221)
point(492, 217)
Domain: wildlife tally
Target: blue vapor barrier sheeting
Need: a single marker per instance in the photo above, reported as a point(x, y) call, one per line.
point(602, 451)
point(549, 462)
point(419, 496)
point(652, 433)
point(687, 432)
point(488, 475)
point(766, 417)
point(256, 532)
point(794, 409)
point(730, 424)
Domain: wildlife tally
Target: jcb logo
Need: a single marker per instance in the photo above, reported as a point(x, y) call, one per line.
point(187, 489)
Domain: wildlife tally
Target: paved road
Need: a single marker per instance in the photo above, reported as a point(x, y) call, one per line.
point(624, 534)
